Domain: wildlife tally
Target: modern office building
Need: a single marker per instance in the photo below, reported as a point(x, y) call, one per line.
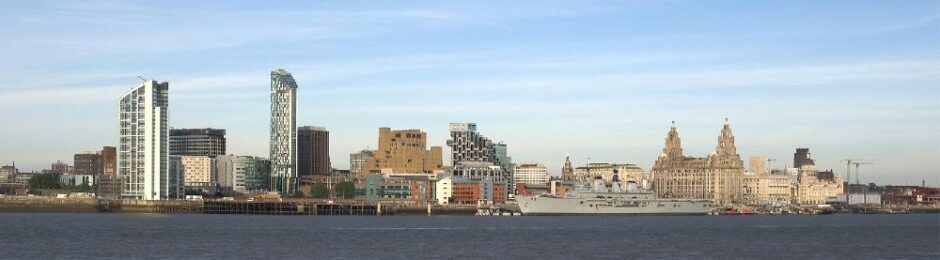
point(198, 172)
point(404, 151)
point(505, 162)
point(357, 161)
point(530, 174)
point(88, 163)
point(197, 142)
point(242, 173)
point(283, 143)
point(716, 177)
point(460, 190)
point(313, 151)
point(475, 171)
point(143, 144)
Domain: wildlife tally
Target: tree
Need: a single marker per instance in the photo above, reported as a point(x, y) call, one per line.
point(44, 181)
point(296, 194)
point(346, 190)
point(319, 191)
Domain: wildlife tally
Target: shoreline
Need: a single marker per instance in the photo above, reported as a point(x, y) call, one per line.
point(306, 207)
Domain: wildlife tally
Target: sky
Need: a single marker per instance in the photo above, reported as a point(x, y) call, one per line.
point(589, 79)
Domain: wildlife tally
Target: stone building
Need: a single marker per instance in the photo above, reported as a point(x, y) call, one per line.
point(567, 173)
point(757, 165)
point(813, 190)
point(765, 188)
point(717, 176)
point(404, 151)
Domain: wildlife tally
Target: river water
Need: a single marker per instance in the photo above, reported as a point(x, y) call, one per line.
point(123, 236)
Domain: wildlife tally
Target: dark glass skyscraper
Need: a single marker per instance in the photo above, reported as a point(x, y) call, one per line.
point(313, 151)
point(197, 142)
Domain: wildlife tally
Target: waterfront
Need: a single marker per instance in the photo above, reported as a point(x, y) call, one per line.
point(78, 235)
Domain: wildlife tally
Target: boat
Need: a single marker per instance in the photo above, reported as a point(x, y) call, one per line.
point(598, 197)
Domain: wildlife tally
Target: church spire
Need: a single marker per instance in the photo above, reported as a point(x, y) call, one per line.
point(673, 147)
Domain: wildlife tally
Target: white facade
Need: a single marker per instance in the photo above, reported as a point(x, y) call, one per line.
point(530, 173)
point(443, 190)
point(76, 180)
point(283, 132)
point(143, 138)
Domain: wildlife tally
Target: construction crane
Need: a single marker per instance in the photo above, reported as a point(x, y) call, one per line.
point(770, 160)
point(848, 172)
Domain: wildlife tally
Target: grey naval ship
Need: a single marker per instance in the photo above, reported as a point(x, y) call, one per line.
point(596, 197)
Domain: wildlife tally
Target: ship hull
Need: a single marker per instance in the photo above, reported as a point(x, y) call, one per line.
point(534, 206)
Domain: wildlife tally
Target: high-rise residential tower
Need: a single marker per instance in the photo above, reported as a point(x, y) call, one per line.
point(283, 132)
point(313, 151)
point(468, 145)
point(143, 144)
point(197, 142)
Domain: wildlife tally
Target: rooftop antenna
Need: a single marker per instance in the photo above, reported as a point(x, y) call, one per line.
point(142, 78)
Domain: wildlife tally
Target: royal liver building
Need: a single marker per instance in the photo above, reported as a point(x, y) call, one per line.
point(715, 177)
point(283, 132)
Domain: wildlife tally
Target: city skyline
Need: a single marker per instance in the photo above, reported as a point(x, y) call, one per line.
point(607, 77)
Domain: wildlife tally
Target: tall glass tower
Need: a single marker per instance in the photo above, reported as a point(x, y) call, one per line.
point(143, 138)
point(283, 132)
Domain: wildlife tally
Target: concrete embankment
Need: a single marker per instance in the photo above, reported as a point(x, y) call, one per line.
point(33, 204)
point(46, 204)
point(292, 207)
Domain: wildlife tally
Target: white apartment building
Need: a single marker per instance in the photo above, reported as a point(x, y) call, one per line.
point(143, 138)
